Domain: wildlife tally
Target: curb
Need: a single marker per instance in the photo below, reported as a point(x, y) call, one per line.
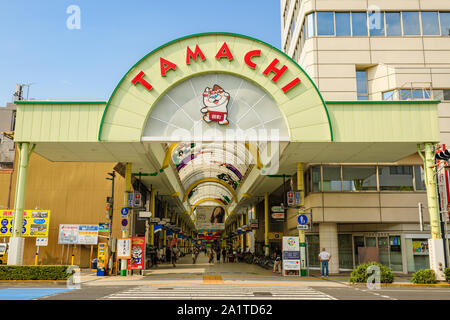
point(404, 284)
point(32, 281)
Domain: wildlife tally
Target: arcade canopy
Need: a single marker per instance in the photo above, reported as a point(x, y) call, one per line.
point(206, 118)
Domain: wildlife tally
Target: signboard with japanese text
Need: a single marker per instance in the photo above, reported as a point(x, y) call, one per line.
point(78, 234)
point(68, 234)
point(291, 256)
point(136, 261)
point(35, 223)
point(87, 234)
point(124, 248)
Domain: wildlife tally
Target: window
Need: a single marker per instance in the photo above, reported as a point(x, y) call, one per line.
point(376, 23)
point(419, 178)
point(415, 94)
point(411, 23)
point(359, 178)
point(445, 23)
point(316, 179)
point(332, 178)
point(361, 85)
point(430, 24)
point(359, 23)
point(393, 24)
point(310, 25)
point(389, 95)
point(342, 23)
point(325, 23)
point(395, 178)
point(442, 94)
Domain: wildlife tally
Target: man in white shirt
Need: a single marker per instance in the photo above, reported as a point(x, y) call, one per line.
point(324, 258)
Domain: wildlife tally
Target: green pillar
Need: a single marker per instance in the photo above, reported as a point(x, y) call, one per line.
point(16, 244)
point(432, 197)
point(126, 233)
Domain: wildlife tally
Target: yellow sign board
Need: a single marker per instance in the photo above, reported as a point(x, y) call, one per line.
point(35, 223)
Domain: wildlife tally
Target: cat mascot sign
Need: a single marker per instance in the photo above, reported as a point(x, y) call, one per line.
point(215, 102)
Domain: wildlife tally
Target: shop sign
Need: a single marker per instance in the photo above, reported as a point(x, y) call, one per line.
point(103, 227)
point(35, 223)
point(277, 215)
point(124, 248)
point(136, 262)
point(253, 223)
point(154, 220)
point(278, 209)
point(273, 70)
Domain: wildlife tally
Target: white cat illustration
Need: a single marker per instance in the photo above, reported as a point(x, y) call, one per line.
point(216, 102)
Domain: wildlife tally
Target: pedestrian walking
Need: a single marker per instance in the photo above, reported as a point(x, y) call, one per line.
point(218, 255)
point(195, 255)
point(211, 256)
point(235, 255)
point(324, 258)
point(174, 255)
point(277, 262)
point(224, 255)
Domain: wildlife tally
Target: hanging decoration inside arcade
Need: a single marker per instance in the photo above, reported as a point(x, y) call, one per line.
point(223, 53)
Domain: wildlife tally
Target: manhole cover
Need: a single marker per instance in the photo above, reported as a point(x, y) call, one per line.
point(262, 294)
point(165, 288)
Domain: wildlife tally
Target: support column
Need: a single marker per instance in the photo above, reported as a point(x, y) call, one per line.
point(301, 233)
point(126, 233)
point(152, 210)
point(165, 231)
point(329, 240)
point(16, 241)
point(266, 224)
point(435, 244)
point(248, 237)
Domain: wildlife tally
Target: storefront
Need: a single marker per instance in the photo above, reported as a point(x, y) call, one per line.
point(209, 119)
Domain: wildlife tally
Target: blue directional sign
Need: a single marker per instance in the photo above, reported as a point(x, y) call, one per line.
point(302, 219)
point(124, 211)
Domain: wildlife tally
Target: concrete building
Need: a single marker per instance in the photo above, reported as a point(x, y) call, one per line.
point(359, 50)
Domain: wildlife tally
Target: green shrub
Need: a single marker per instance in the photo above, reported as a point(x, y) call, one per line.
point(359, 275)
point(447, 274)
point(424, 276)
point(34, 272)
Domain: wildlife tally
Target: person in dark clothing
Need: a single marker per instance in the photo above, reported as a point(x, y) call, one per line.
point(224, 255)
point(218, 255)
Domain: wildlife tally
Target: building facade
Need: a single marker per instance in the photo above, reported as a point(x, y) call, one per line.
point(359, 50)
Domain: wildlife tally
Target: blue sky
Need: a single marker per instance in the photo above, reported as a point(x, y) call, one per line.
point(86, 64)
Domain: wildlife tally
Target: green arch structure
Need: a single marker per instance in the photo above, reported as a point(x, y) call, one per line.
point(303, 108)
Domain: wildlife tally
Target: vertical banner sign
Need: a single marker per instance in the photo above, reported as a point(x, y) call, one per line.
point(136, 261)
point(291, 256)
point(124, 248)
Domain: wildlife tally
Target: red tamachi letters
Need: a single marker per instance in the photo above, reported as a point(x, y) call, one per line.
point(248, 57)
point(290, 85)
point(224, 52)
point(141, 80)
point(166, 65)
point(194, 55)
point(272, 68)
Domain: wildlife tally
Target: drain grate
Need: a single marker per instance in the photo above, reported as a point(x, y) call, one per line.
point(165, 288)
point(262, 294)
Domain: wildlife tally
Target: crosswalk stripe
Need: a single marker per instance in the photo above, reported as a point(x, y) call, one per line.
point(225, 292)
